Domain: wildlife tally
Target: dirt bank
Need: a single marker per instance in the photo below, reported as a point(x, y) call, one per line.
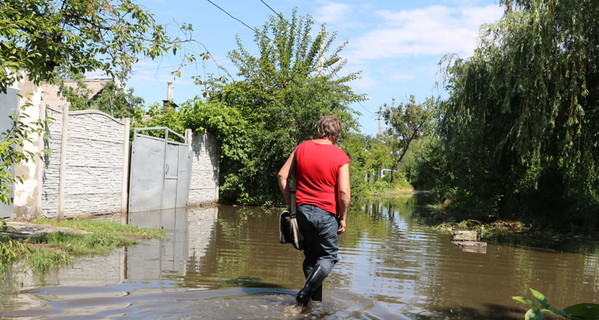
point(24, 229)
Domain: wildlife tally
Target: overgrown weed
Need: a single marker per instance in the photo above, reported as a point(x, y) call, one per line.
point(53, 249)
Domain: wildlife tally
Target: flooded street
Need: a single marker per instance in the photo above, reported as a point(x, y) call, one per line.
point(226, 263)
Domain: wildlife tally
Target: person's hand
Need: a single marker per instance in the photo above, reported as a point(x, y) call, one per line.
point(341, 226)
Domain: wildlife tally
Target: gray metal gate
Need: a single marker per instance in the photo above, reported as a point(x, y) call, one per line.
point(9, 103)
point(160, 172)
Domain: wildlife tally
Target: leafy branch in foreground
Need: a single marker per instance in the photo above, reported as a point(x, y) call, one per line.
point(12, 152)
point(538, 310)
point(96, 35)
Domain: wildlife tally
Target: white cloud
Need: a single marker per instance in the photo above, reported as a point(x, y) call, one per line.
point(432, 30)
point(333, 12)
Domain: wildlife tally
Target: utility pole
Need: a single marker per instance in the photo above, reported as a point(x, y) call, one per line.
point(321, 54)
point(378, 119)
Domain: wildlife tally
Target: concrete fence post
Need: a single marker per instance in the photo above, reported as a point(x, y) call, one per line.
point(124, 188)
point(63, 160)
point(39, 166)
point(188, 137)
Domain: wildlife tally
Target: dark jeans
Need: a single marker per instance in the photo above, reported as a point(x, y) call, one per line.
point(321, 241)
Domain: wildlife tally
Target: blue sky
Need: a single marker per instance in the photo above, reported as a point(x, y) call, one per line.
point(395, 44)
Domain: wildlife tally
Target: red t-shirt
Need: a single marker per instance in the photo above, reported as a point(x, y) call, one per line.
point(317, 170)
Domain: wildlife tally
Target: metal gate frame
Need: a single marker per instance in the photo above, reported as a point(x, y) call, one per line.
point(160, 171)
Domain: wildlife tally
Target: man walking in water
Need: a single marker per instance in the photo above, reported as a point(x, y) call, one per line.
point(323, 195)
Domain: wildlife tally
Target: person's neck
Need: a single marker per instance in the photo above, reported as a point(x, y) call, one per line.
point(324, 141)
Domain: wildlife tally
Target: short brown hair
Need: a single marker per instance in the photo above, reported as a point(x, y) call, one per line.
point(329, 127)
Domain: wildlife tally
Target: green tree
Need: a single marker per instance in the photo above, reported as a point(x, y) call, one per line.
point(160, 116)
point(283, 91)
point(406, 122)
point(380, 155)
point(77, 96)
point(113, 99)
point(230, 129)
point(97, 35)
point(37, 36)
point(117, 101)
point(427, 169)
point(355, 145)
point(520, 127)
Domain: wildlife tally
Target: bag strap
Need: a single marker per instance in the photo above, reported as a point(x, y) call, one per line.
point(293, 184)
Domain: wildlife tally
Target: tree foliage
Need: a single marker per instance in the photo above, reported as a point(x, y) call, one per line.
point(406, 123)
point(97, 35)
point(521, 127)
point(355, 145)
point(112, 99)
point(379, 155)
point(230, 128)
point(282, 91)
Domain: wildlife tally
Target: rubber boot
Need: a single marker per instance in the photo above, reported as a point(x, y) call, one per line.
point(313, 282)
point(317, 295)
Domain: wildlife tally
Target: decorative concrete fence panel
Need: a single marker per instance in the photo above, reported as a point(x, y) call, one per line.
point(95, 164)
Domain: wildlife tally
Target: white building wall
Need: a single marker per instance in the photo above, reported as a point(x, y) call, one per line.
point(27, 193)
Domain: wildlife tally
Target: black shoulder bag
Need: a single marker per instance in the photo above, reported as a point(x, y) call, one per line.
point(288, 228)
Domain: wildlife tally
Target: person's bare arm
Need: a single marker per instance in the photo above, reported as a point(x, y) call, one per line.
point(344, 193)
point(283, 177)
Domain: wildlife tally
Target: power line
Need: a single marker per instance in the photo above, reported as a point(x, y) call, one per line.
point(239, 20)
point(256, 31)
point(271, 9)
point(230, 15)
point(363, 107)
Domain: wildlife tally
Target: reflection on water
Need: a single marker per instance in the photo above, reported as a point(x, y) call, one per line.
point(189, 237)
point(226, 263)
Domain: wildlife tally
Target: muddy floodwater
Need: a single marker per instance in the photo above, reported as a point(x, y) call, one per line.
point(225, 262)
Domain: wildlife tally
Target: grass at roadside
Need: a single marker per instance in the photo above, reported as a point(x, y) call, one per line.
point(395, 192)
point(386, 189)
point(103, 227)
point(53, 249)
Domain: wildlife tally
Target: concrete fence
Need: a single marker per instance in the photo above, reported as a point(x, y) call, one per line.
point(85, 170)
point(91, 150)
